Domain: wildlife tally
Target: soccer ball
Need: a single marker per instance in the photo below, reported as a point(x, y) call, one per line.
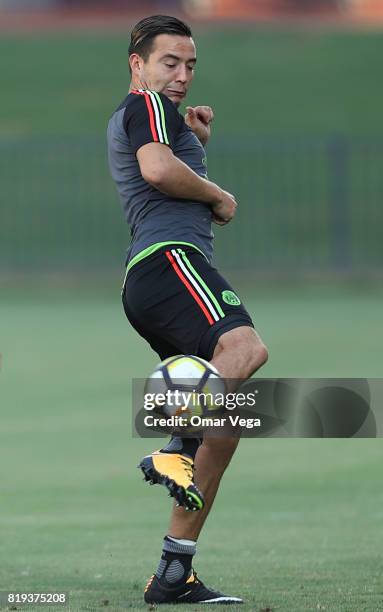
point(186, 386)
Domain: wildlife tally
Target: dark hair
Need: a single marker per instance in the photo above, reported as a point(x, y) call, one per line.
point(145, 31)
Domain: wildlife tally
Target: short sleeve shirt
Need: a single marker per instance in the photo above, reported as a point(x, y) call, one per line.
point(144, 117)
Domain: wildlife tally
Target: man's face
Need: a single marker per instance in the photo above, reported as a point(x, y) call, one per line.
point(170, 66)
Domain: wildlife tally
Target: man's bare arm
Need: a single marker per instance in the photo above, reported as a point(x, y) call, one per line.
point(164, 171)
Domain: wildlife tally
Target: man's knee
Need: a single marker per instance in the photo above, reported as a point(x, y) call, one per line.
point(247, 341)
point(260, 353)
point(221, 449)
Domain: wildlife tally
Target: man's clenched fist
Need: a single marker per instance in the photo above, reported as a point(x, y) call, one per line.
point(199, 119)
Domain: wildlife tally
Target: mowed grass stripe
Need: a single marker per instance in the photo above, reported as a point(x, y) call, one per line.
point(301, 517)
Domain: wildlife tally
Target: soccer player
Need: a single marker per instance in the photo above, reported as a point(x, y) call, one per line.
point(172, 295)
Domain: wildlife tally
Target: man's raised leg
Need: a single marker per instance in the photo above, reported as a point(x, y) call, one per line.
point(238, 354)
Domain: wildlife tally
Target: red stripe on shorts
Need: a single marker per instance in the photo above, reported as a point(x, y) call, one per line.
point(188, 286)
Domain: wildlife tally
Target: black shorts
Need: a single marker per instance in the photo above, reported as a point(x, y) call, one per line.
point(180, 304)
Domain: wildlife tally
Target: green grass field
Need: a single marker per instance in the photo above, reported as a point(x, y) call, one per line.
point(278, 81)
point(284, 85)
point(297, 523)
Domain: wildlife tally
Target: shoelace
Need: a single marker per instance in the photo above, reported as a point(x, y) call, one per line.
point(194, 575)
point(189, 469)
point(149, 584)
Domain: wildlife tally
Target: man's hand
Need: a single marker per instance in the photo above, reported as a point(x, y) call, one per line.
point(224, 210)
point(199, 119)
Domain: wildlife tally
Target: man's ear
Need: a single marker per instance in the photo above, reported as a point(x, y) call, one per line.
point(135, 63)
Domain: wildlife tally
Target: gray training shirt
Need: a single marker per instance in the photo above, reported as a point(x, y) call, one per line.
point(146, 116)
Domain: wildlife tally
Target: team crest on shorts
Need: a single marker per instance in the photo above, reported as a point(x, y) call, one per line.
point(230, 298)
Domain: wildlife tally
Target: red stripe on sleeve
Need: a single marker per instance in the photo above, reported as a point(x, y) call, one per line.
point(189, 287)
point(151, 114)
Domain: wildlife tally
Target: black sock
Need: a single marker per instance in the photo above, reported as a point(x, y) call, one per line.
point(184, 446)
point(176, 561)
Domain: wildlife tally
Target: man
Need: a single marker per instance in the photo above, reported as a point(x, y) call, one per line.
point(172, 295)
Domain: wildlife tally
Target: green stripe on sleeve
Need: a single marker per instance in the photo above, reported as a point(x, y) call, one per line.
point(163, 122)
